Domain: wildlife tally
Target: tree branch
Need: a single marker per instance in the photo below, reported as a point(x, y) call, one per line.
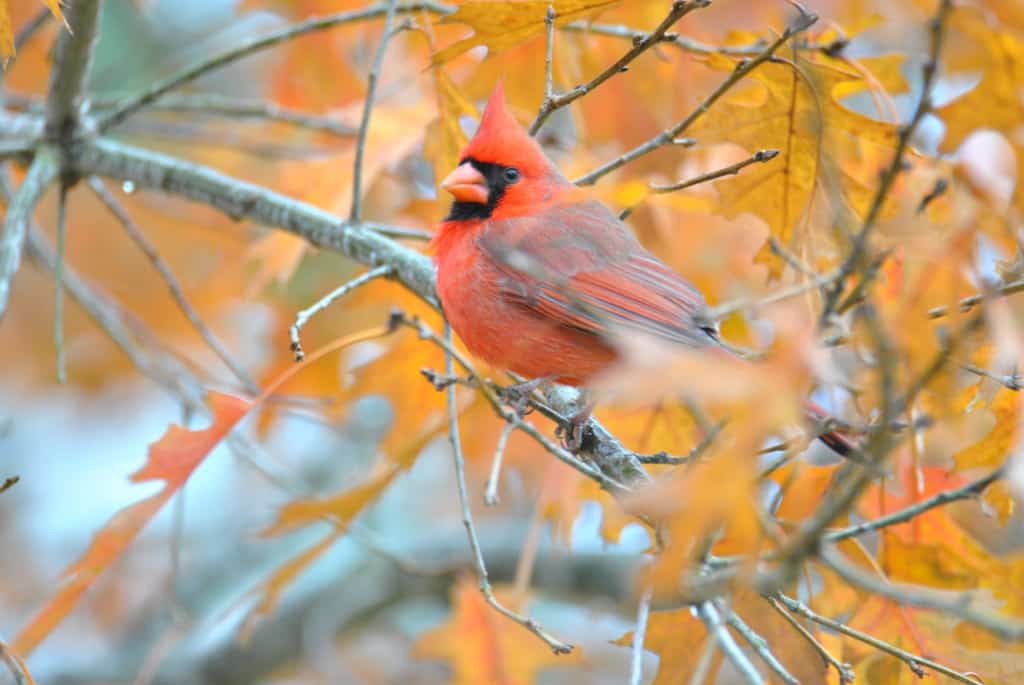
point(75, 46)
point(41, 174)
point(134, 103)
point(969, 491)
point(960, 605)
point(641, 44)
point(804, 21)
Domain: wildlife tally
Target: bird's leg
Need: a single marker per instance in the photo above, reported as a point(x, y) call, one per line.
point(517, 396)
point(574, 432)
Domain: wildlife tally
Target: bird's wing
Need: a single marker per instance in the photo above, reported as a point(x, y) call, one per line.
point(579, 266)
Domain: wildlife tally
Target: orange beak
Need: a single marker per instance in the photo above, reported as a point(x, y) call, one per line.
point(466, 184)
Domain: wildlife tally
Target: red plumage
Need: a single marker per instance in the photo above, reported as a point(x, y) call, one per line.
point(535, 276)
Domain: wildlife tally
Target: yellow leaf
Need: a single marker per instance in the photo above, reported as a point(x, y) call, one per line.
point(795, 111)
point(926, 564)
point(991, 450)
point(485, 647)
point(500, 25)
point(996, 102)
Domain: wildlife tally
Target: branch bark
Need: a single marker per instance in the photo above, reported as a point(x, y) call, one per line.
point(75, 47)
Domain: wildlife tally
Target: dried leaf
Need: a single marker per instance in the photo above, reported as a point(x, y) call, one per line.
point(172, 459)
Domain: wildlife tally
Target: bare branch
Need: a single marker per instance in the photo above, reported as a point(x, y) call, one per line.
point(913, 661)
point(641, 44)
point(58, 279)
point(716, 627)
point(846, 674)
point(15, 664)
point(355, 213)
point(491, 489)
point(557, 646)
point(731, 170)
point(241, 200)
point(969, 303)
point(212, 103)
point(29, 29)
point(969, 491)
point(134, 103)
point(761, 647)
point(134, 232)
point(1011, 381)
point(636, 670)
point(41, 174)
point(924, 598)
point(726, 309)
point(667, 136)
point(303, 317)
point(66, 94)
point(906, 132)
point(9, 483)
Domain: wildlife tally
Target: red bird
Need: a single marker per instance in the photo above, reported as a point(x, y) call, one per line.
point(533, 274)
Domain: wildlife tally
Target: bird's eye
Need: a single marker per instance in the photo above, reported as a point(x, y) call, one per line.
point(511, 174)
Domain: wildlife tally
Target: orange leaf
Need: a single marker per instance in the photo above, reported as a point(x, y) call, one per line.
point(172, 459)
point(6, 34)
point(485, 647)
point(677, 637)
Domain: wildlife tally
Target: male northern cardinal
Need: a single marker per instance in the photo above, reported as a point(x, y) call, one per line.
point(534, 275)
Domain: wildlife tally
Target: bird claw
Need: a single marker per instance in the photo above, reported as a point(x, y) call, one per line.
point(574, 432)
point(517, 396)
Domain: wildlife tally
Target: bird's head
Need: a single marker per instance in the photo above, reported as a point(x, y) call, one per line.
point(502, 171)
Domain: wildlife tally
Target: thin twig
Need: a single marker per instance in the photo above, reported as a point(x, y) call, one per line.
point(66, 94)
point(716, 626)
point(758, 157)
point(29, 29)
point(666, 137)
point(554, 102)
point(134, 232)
point(969, 491)
point(906, 132)
point(16, 665)
point(355, 213)
point(510, 416)
point(549, 55)
point(704, 660)
point(1010, 381)
point(923, 598)
point(731, 170)
point(913, 661)
point(761, 647)
point(636, 669)
point(41, 174)
point(726, 309)
point(491, 489)
point(969, 303)
point(557, 646)
point(58, 279)
point(212, 103)
point(303, 317)
point(9, 483)
point(133, 104)
point(844, 670)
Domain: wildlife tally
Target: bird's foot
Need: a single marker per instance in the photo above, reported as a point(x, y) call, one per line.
point(573, 433)
point(517, 396)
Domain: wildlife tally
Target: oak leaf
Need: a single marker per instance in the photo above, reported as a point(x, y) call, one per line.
point(500, 25)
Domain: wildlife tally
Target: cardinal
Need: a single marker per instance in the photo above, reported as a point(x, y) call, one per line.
point(536, 276)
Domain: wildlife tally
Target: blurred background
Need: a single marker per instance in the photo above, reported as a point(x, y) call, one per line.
point(180, 605)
